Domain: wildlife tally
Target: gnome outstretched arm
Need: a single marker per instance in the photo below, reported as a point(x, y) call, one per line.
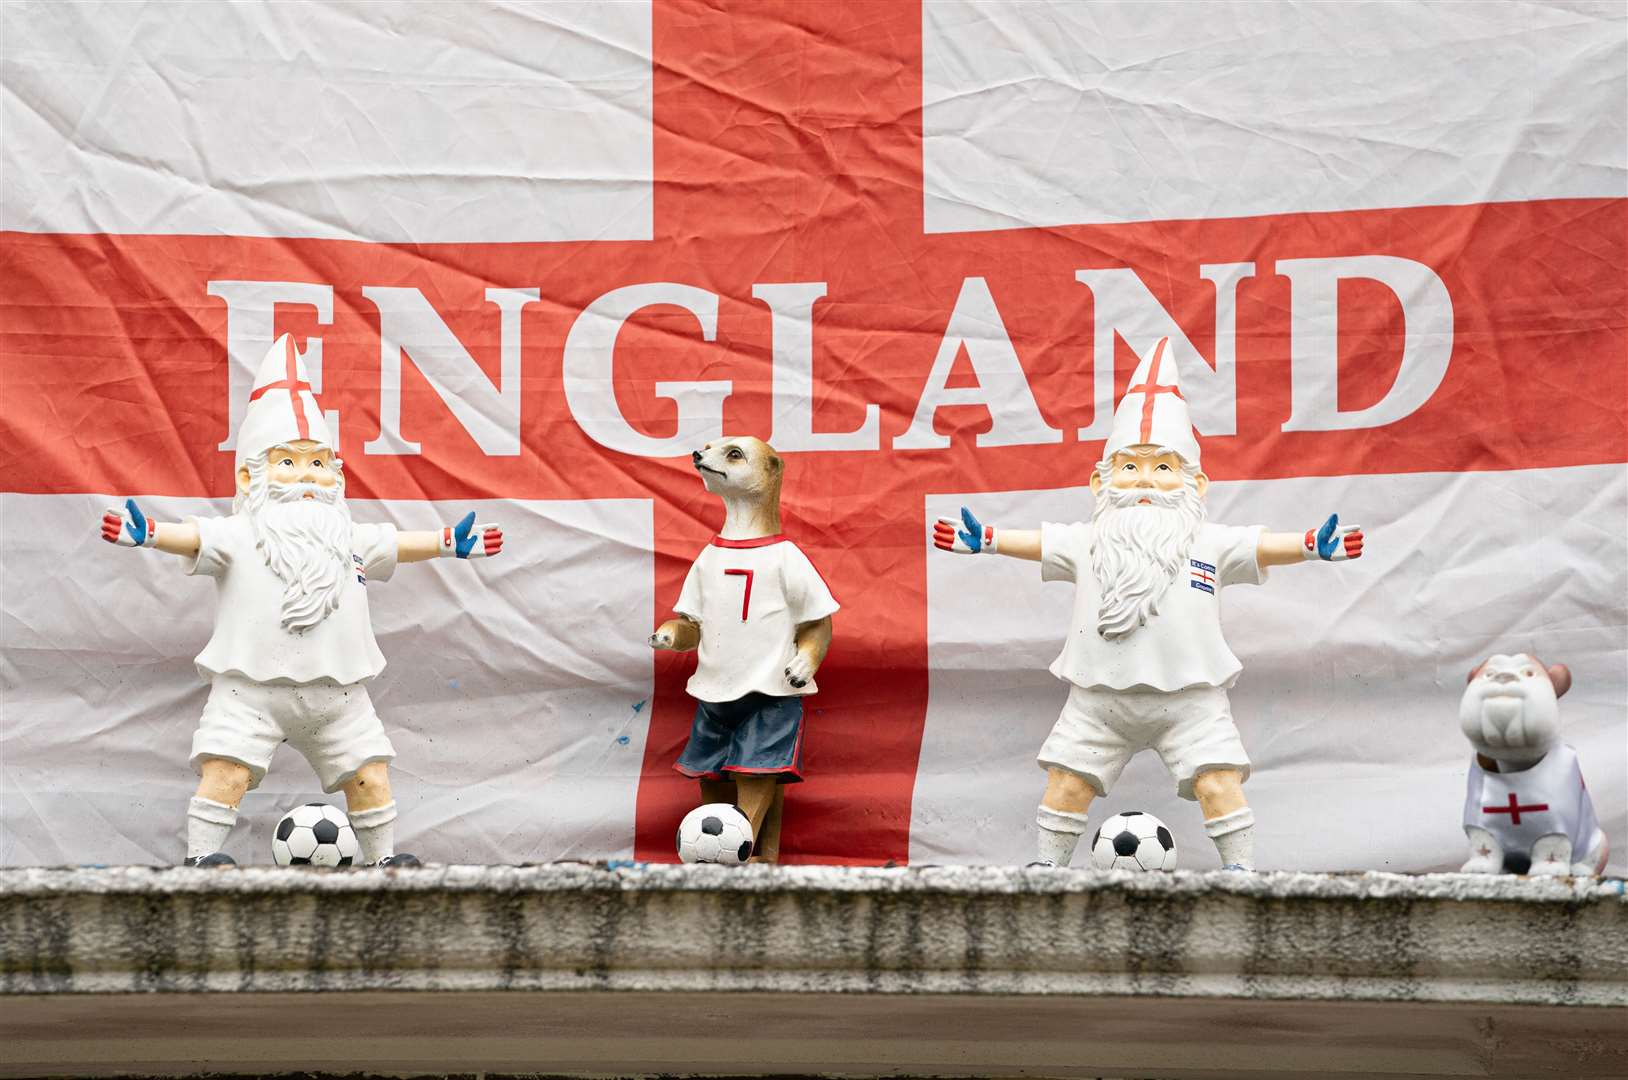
point(969, 536)
point(465, 540)
point(132, 528)
point(1329, 542)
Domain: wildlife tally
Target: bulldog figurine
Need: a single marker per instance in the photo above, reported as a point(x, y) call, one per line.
point(1526, 809)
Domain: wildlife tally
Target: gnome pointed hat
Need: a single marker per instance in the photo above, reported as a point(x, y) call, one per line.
point(281, 406)
point(1153, 412)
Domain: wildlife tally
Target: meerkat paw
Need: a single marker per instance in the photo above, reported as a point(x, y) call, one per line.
point(799, 671)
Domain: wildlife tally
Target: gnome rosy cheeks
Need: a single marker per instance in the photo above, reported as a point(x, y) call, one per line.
point(293, 648)
point(1146, 663)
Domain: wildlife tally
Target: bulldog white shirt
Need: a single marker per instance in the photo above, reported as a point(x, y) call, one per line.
point(749, 597)
point(249, 636)
point(1177, 648)
point(1518, 808)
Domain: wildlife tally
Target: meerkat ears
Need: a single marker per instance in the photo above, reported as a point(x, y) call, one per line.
point(775, 464)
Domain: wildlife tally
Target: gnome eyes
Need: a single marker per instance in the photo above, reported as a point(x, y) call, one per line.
point(317, 462)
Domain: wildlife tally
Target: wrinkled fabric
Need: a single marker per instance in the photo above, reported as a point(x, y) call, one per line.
point(535, 254)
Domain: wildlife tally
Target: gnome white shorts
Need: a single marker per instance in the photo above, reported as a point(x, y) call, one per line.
point(333, 726)
point(1100, 730)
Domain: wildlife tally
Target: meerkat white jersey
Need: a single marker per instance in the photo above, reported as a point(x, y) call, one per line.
point(749, 597)
point(249, 635)
point(1519, 807)
point(1179, 647)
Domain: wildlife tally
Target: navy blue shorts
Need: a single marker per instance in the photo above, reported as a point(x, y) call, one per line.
point(759, 734)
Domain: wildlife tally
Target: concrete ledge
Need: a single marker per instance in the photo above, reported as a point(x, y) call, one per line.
point(801, 930)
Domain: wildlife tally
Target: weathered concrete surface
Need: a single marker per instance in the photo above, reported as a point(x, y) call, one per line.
point(586, 1033)
point(984, 931)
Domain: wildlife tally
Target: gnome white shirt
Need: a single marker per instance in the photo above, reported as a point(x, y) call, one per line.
point(249, 635)
point(1518, 808)
point(749, 597)
point(1180, 646)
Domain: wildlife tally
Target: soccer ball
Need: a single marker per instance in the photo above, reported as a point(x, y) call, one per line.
point(1132, 840)
point(715, 833)
point(315, 834)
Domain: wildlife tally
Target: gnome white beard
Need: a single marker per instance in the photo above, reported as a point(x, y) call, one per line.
point(1137, 552)
point(305, 542)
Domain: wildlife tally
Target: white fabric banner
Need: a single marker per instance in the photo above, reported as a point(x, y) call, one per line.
point(535, 250)
point(1081, 114)
point(391, 121)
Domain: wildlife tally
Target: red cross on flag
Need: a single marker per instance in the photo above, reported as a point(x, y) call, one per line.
point(536, 254)
point(281, 406)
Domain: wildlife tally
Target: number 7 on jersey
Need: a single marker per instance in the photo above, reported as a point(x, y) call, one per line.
point(746, 600)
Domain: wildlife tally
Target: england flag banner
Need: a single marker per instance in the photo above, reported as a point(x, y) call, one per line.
point(534, 255)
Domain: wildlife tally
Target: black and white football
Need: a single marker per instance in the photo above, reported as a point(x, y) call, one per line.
point(715, 833)
point(1133, 840)
point(315, 834)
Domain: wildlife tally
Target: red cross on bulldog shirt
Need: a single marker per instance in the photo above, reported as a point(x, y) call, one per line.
point(1515, 809)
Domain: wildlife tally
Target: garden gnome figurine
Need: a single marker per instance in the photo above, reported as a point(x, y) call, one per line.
point(293, 646)
point(1146, 664)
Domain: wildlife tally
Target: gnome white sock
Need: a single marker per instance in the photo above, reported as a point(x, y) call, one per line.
point(375, 832)
point(208, 822)
point(1234, 836)
point(1060, 831)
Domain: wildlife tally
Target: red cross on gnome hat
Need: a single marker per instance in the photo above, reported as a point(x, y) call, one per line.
point(281, 406)
point(1153, 412)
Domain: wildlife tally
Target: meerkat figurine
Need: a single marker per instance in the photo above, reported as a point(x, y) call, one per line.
point(760, 614)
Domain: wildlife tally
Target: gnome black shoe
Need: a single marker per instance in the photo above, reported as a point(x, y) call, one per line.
point(214, 858)
point(400, 859)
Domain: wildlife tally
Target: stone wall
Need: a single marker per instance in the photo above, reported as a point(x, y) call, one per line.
point(985, 931)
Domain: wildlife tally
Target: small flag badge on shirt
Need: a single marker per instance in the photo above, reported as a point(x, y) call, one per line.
point(361, 573)
point(1203, 576)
